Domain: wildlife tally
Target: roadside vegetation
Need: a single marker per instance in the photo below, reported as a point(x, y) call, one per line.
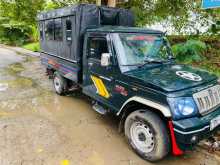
point(196, 41)
point(199, 51)
point(35, 47)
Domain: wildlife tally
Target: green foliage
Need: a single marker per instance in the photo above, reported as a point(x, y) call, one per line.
point(62, 3)
point(191, 51)
point(211, 68)
point(14, 33)
point(50, 6)
point(147, 12)
point(177, 13)
point(21, 10)
point(35, 47)
point(210, 40)
point(34, 35)
point(211, 58)
point(18, 21)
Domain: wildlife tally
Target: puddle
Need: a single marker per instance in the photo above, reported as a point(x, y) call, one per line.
point(30, 59)
point(15, 68)
point(17, 81)
point(20, 82)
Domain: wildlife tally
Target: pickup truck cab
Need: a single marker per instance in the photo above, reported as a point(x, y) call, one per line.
point(162, 106)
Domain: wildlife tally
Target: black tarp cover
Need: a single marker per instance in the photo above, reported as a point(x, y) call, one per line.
point(85, 15)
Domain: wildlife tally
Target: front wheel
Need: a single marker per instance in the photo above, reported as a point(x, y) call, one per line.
point(147, 135)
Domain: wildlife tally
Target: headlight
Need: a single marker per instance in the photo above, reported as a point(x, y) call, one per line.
point(183, 107)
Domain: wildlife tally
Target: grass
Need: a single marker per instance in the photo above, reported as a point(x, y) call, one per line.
point(35, 47)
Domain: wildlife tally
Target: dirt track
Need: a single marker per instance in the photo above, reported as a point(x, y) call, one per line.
point(37, 127)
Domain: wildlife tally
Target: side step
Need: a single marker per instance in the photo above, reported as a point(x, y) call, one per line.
point(98, 108)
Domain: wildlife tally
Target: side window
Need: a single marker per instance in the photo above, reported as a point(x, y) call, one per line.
point(49, 29)
point(41, 27)
point(97, 46)
point(58, 32)
point(68, 30)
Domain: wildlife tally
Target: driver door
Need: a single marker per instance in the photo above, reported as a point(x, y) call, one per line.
point(98, 80)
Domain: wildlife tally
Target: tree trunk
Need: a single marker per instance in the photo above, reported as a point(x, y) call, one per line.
point(110, 3)
point(98, 2)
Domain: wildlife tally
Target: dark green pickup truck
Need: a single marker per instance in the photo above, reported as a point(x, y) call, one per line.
point(162, 106)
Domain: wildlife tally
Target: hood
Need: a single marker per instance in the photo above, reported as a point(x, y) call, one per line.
point(172, 78)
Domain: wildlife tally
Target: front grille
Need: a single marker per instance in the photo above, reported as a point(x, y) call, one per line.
point(208, 99)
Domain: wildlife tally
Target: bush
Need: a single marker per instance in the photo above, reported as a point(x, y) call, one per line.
point(212, 40)
point(14, 33)
point(34, 35)
point(35, 47)
point(17, 33)
point(189, 52)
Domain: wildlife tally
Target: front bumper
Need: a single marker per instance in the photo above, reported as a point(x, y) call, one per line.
point(189, 132)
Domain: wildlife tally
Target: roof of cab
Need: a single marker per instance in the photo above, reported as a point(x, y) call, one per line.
point(123, 29)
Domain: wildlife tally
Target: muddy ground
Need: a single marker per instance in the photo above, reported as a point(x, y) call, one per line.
point(37, 127)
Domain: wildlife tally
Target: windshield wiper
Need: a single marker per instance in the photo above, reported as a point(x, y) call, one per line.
point(145, 62)
point(151, 61)
point(138, 64)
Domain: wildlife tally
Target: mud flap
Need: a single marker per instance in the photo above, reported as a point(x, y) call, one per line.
point(175, 149)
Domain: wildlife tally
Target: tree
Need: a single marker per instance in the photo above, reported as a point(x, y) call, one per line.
point(112, 3)
point(181, 14)
point(19, 23)
point(21, 10)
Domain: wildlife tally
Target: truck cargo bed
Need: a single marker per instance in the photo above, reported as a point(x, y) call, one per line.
point(70, 70)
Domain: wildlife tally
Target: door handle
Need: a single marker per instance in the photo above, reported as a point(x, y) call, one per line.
point(106, 78)
point(90, 64)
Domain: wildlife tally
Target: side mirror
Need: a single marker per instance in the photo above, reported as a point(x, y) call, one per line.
point(105, 59)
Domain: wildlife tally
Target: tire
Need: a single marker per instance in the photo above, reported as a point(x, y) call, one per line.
point(147, 135)
point(60, 84)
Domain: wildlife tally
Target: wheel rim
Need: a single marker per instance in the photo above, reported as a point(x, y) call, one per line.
point(142, 137)
point(57, 84)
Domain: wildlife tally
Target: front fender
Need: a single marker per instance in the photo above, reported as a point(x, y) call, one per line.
point(162, 108)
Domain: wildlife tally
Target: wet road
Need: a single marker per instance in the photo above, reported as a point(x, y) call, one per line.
point(37, 127)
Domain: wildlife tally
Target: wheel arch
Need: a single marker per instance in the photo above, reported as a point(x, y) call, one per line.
point(139, 100)
point(136, 103)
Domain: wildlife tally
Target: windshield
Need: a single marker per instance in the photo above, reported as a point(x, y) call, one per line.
point(137, 49)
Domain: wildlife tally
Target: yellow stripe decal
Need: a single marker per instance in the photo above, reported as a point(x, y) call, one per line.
point(100, 87)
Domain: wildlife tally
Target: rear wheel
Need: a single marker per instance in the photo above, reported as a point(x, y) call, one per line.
point(60, 84)
point(147, 135)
